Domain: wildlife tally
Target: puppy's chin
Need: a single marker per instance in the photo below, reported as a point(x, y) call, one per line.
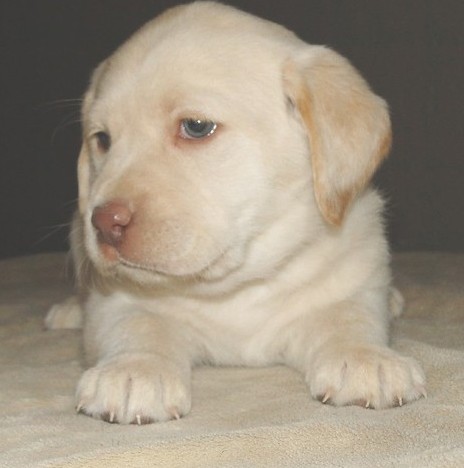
point(110, 264)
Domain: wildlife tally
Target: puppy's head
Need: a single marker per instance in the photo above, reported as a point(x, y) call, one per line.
point(199, 132)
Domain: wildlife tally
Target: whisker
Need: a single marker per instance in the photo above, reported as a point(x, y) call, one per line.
point(52, 231)
point(69, 120)
point(69, 203)
point(60, 104)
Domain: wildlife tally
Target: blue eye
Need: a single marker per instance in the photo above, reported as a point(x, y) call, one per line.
point(197, 128)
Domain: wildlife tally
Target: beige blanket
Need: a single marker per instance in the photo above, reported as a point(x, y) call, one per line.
point(240, 417)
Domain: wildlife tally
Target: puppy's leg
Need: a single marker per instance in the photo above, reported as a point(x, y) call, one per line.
point(396, 303)
point(66, 314)
point(346, 361)
point(143, 367)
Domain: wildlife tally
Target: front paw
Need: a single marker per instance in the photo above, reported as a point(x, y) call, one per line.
point(135, 389)
point(369, 376)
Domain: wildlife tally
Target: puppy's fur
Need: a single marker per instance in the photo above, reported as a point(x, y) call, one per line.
point(257, 244)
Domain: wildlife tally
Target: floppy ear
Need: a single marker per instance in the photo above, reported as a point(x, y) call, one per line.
point(347, 124)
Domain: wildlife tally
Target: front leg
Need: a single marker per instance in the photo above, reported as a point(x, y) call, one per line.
point(143, 366)
point(346, 361)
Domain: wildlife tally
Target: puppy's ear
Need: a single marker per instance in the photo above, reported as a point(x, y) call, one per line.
point(347, 124)
point(83, 163)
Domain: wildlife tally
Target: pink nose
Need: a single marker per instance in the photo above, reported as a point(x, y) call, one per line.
point(111, 221)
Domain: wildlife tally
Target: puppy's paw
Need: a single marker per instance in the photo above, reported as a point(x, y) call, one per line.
point(66, 314)
point(134, 389)
point(369, 376)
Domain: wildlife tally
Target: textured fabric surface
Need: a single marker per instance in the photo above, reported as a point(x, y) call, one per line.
point(240, 417)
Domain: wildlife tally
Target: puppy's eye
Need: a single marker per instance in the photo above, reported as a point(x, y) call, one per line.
point(197, 128)
point(103, 141)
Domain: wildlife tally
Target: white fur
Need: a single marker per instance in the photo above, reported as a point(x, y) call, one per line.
point(258, 245)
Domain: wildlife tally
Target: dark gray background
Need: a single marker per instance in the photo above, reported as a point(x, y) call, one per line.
point(410, 51)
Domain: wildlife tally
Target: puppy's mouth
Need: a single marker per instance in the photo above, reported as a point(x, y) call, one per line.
point(111, 262)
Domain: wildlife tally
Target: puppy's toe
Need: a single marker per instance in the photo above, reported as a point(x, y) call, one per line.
point(366, 376)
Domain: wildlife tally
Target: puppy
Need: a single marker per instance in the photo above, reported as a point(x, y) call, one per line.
point(225, 217)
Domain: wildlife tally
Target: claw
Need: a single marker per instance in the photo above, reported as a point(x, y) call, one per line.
point(174, 412)
point(111, 418)
point(79, 407)
point(326, 398)
point(139, 419)
point(368, 404)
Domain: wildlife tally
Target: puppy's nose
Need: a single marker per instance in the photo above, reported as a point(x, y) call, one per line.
point(111, 221)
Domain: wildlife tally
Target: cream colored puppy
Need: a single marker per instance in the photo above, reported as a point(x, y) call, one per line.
point(225, 217)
